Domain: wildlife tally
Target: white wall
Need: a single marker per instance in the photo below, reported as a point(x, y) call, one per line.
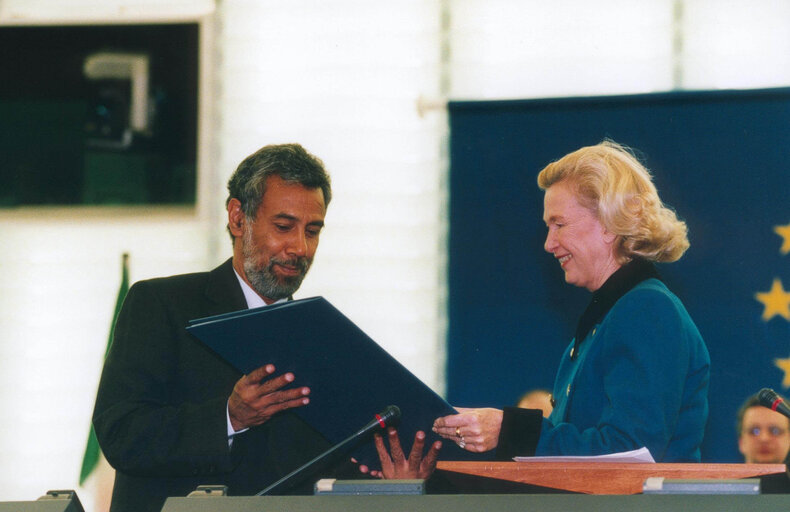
point(343, 78)
point(61, 270)
point(508, 49)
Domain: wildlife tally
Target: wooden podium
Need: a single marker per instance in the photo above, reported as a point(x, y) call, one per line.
point(602, 477)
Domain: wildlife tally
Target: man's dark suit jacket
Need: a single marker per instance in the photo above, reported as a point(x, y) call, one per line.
point(160, 413)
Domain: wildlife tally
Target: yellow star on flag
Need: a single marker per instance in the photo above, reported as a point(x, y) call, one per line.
point(784, 365)
point(784, 232)
point(776, 301)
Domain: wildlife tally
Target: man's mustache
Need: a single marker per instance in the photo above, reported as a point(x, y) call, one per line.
point(301, 264)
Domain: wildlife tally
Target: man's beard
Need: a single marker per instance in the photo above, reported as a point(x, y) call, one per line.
point(262, 277)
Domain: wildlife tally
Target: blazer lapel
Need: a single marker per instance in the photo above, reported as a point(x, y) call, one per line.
point(223, 292)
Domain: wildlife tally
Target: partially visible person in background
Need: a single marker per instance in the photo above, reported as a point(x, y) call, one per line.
point(763, 434)
point(536, 399)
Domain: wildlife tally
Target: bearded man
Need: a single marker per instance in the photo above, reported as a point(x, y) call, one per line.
point(170, 415)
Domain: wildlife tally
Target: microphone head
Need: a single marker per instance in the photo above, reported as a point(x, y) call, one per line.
point(768, 397)
point(390, 415)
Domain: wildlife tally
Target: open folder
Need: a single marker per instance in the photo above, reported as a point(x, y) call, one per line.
point(351, 378)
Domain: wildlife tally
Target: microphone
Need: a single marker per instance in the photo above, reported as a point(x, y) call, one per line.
point(386, 418)
point(769, 398)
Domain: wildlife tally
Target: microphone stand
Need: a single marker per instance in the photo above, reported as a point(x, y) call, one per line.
point(389, 416)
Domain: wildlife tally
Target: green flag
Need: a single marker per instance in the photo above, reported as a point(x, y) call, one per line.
point(92, 450)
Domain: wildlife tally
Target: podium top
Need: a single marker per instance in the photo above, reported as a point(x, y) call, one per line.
point(603, 477)
point(478, 502)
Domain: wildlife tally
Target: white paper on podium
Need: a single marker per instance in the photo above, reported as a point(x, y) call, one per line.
point(642, 455)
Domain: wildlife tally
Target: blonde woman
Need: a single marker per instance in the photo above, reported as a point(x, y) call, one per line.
point(636, 373)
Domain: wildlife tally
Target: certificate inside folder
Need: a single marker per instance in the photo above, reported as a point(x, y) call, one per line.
point(351, 378)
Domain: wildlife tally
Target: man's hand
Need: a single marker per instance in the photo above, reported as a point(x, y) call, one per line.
point(475, 430)
point(394, 463)
point(256, 398)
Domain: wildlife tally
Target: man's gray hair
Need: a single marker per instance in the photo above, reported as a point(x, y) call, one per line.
point(291, 162)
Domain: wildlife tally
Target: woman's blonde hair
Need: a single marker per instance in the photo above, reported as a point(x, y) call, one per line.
point(618, 189)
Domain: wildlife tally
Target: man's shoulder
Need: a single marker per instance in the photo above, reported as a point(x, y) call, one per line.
point(175, 280)
point(188, 283)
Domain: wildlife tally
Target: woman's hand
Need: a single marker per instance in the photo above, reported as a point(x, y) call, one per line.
point(475, 430)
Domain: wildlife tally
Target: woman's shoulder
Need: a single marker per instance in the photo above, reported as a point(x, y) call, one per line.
point(648, 302)
point(651, 292)
point(651, 302)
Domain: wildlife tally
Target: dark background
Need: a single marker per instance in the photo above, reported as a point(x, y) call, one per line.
point(47, 108)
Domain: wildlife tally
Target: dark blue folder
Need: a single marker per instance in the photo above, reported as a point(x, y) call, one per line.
point(350, 376)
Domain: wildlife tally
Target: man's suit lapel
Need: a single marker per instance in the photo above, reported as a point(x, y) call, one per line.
point(223, 292)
